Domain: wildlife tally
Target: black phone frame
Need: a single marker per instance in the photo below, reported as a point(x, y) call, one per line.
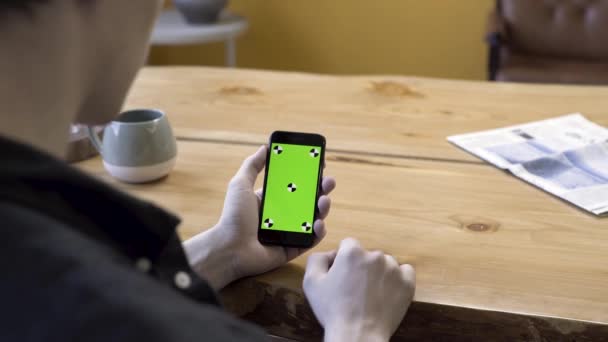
point(284, 238)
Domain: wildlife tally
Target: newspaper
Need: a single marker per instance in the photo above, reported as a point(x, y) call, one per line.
point(566, 156)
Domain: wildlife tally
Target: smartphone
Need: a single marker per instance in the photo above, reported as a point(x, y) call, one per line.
point(292, 186)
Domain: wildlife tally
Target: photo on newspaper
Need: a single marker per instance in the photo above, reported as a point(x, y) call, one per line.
point(566, 156)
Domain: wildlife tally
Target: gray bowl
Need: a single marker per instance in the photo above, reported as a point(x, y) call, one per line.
point(200, 11)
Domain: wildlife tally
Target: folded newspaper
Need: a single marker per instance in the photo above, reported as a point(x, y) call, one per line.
point(566, 156)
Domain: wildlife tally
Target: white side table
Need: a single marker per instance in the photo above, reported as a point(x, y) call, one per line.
point(172, 29)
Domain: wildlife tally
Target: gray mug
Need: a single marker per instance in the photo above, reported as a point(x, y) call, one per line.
point(138, 146)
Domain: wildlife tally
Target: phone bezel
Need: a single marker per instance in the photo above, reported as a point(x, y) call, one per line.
point(283, 238)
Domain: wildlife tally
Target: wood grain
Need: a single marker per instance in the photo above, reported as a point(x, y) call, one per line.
point(399, 116)
point(286, 312)
point(496, 259)
point(478, 237)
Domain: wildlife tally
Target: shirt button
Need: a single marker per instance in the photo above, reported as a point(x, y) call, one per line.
point(182, 280)
point(143, 264)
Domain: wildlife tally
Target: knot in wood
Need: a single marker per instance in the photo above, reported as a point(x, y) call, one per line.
point(479, 227)
point(475, 224)
point(240, 90)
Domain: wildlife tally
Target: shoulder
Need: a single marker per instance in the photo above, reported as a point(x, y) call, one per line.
point(70, 287)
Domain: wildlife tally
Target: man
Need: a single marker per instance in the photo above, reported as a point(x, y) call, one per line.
point(82, 261)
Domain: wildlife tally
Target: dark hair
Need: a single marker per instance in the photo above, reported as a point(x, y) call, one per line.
point(18, 4)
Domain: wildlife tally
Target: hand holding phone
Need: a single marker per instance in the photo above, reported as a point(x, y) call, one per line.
point(292, 186)
point(231, 249)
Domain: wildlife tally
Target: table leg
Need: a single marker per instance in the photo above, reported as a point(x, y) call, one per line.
point(230, 53)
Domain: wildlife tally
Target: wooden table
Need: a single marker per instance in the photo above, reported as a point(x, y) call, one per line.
point(496, 259)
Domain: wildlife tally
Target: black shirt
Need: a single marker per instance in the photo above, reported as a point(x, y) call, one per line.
point(81, 261)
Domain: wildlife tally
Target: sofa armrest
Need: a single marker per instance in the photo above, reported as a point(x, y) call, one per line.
point(496, 29)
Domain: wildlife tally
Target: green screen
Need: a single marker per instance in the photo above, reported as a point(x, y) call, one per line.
point(291, 188)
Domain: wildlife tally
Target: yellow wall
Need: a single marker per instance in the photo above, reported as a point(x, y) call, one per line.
point(441, 38)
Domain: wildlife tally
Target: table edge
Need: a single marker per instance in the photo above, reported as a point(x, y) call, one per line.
point(285, 312)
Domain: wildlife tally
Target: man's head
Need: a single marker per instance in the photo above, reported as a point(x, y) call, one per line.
point(77, 56)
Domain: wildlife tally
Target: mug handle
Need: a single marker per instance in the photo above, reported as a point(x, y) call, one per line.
point(94, 139)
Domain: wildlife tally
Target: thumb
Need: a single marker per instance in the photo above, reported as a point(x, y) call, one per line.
point(318, 265)
point(251, 167)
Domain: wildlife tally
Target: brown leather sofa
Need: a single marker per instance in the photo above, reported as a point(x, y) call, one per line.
point(549, 41)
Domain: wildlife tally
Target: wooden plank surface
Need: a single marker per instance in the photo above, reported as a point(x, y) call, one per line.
point(478, 237)
point(399, 116)
point(496, 258)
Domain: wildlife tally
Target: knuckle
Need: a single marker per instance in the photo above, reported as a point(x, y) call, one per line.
point(376, 257)
point(350, 241)
point(395, 271)
point(353, 251)
point(409, 279)
point(410, 289)
point(410, 285)
point(235, 181)
point(248, 162)
point(307, 282)
point(408, 271)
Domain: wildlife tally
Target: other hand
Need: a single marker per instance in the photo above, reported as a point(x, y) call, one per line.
point(358, 295)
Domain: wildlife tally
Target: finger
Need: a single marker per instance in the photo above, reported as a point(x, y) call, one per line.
point(391, 261)
point(320, 232)
point(252, 166)
point(318, 265)
point(328, 184)
point(350, 243)
point(324, 205)
point(349, 248)
point(409, 274)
